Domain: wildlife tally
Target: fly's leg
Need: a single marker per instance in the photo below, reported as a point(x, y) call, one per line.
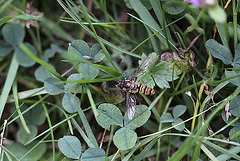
point(137, 99)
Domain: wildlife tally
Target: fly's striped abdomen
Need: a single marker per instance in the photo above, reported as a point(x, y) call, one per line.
point(133, 87)
point(144, 90)
point(137, 88)
point(149, 91)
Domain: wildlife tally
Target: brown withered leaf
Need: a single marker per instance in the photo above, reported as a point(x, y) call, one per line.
point(30, 10)
point(228, 113)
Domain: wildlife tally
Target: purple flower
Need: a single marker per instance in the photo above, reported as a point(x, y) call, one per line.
point(203, 3)
point(87, 57)
point(195, 2)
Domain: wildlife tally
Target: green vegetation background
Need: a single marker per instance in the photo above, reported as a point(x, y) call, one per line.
point(60, 62)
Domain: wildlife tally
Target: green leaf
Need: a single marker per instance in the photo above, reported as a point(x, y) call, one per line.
point(100, 67)
point(179, 110)
point(237, 55)
point(236, 80)
point(94, 33)
point(174, 7)
point(67, 159)
point(147, 80)
point(22, 58)
point(93, 154)
point(236, 123)
point(223, 33)
point(142, 114)
point(109, 115)
point(96, 53)
point(5, 49)
point(217, 14)
point(49, 53)
point(24, 137)
point(166, 117)
point(19, 150)
point(231, 30)
point(70, 146)
point(42, 74)
point(234, 107)
point(40, 61)
point(162, 73)
point(234, 134)
point(78, 48)
point(13, 33)
point(179, 127)
point(35, 116)
point(73, 77)
point(124, 138)
point(88, 71)
point(70, 102)
point(53, 86)
point(219, 51)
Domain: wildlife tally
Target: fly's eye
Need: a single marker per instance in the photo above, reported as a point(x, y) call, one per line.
point(121, 85)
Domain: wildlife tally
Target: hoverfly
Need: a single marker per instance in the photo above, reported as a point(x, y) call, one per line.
point(132, 87)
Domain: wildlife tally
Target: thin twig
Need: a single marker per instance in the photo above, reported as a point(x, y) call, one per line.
point(102, 138)
point(2, 136)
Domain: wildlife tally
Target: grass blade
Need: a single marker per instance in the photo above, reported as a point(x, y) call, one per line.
point(87, 127)
point(8, 83)
point(85, 138)
point(222, 150)
point(15, 95)
point(92, 34)
point(148, 19)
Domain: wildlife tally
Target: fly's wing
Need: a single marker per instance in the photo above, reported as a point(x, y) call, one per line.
point(142, 68)
point(131, 104)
